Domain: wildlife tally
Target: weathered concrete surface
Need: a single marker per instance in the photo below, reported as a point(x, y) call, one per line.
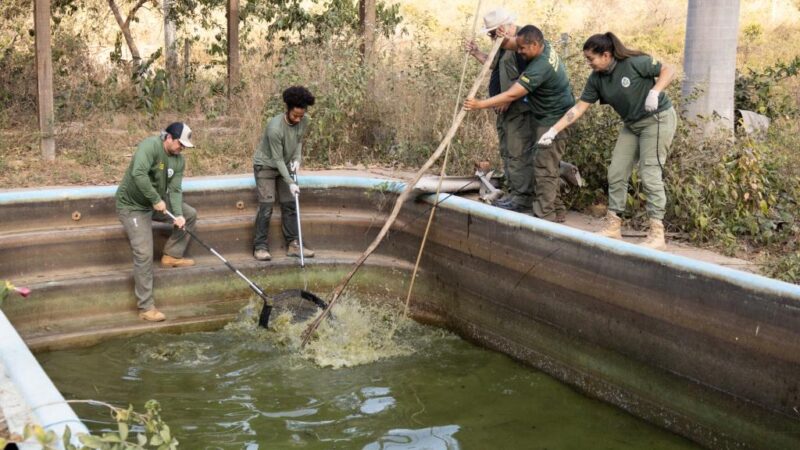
point(604, 316)
point(707, 352)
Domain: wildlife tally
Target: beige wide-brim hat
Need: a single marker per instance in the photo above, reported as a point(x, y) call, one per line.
point(493, 19)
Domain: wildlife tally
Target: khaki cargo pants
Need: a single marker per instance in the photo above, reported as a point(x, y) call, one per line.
point(647, 140)
point(546, 174)
point(269, 186)
point(515, 134)
point(139, 228)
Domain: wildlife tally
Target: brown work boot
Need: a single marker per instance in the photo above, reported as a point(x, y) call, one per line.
point(152, 315)
point(262, 254)
point(613, 226)
point(655, 237)
point(169, 261)
point(294, 250)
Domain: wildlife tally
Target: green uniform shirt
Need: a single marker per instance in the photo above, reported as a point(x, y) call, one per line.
point(509, 74)
point(626, 87)
point(280, 145)
point(549, 92)
point(150, 177)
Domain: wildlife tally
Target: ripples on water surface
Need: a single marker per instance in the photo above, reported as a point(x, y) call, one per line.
point(354, 387)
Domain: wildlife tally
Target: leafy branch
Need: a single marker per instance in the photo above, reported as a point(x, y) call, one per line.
point(135, 431)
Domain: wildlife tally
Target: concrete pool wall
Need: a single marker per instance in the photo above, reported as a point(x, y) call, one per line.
point(707, 352)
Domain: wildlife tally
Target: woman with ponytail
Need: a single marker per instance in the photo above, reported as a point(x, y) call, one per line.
point(633, 84)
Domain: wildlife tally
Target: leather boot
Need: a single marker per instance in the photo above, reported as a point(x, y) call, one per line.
point(613, 226)
point(262, 254)
point(655, 237)
point(152, 315)
point(293, 249)
point(169, 261)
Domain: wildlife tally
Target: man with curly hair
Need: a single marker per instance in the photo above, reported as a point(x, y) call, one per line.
point(277, 155)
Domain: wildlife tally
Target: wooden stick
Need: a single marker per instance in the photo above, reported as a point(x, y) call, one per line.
point(309, 331)
point(441, 178)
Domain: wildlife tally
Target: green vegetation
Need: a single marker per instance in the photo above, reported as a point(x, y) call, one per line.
point(135, 431)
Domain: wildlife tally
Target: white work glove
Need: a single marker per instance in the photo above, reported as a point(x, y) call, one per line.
point(294, 166)
point(548, 137)
point(651, 104)
point(294, 189)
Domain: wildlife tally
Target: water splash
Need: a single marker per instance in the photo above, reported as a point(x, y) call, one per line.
point(361, 332)
point(178, 351)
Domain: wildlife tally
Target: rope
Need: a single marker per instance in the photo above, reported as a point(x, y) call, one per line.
point(442, 172)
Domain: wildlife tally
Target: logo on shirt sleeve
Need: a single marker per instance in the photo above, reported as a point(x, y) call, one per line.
point(553, 60)
point(524, 79)
point(626, 82)
point(170, 172)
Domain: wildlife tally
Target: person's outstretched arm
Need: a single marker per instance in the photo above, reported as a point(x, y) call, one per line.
point(515, 92)
point(568, 119)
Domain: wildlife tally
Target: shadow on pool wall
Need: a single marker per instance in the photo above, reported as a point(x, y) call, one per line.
point(707, 352)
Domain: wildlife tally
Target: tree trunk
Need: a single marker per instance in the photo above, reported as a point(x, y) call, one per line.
point(367, 21)
point(44, 78)
point(712, 28)
point(233, 46)
point(124, 26)
point(170, 46)
point(187, 58)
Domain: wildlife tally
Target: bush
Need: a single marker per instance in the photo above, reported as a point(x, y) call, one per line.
point(764, 91)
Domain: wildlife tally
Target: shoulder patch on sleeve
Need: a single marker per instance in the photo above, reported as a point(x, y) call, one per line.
point(524, 79)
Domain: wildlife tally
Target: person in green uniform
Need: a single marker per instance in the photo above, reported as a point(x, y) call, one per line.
point(514, 121)
point(150, 187)
point(278, 153)
point(546, 85)
point(633, 84)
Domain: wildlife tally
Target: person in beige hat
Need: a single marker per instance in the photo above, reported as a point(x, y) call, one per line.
point(514, 126)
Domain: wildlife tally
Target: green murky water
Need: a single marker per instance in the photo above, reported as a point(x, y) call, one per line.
point(421, 388)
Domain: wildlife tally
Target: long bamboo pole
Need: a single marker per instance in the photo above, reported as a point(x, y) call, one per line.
point(337, 292)
point(441, 174)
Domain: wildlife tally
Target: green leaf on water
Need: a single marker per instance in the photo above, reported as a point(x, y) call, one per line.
point(91, 441)
point(123, 431)
point(165, 434)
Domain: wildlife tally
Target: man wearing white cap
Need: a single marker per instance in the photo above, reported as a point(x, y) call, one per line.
point(151, 186)
point(514, 123)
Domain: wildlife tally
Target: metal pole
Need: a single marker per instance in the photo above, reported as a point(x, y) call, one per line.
point(299, 229)
point(252, 285)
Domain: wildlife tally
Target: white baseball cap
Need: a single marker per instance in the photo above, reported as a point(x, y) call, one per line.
point(494, 19)
point(183, 133)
